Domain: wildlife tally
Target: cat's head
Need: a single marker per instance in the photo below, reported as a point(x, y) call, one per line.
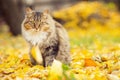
point(38, 21)
point(37, 27)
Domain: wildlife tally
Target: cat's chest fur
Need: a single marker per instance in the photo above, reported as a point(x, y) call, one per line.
point(35, 38)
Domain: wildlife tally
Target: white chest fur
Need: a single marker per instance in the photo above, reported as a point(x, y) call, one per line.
point(34, 37)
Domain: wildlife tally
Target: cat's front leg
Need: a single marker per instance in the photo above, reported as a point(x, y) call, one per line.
point(48, 60)
point(33, 61)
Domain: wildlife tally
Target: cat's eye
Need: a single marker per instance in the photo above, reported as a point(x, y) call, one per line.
point(45, 28)
point(31, 20)
point(27, 26)
point(44, 23)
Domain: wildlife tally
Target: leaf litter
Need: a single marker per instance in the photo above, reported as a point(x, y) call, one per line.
point(94, 30)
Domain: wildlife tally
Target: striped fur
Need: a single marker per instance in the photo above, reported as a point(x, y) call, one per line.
point(39, 28)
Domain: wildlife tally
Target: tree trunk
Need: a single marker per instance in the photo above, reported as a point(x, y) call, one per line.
point(13, 12)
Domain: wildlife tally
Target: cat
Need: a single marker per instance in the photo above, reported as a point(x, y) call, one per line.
point(40, 29)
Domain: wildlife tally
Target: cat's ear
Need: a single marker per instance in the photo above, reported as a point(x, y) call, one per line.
point(46, 11)
point(28, 10)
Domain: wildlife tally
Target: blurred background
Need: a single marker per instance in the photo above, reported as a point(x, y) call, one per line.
point(93, 27)
point(12, 11)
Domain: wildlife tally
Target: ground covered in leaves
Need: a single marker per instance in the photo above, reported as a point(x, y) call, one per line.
point(94, 30)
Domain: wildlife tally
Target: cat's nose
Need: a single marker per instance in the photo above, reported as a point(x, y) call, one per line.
point(37, 29)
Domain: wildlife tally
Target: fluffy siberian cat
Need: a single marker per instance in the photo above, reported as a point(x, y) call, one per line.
point(39, 29)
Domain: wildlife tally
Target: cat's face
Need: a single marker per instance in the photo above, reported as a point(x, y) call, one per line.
point(37, 27)
point(37, 21)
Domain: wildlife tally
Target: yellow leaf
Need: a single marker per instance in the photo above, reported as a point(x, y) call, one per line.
point(56, 70)
point(90, 62)
point(35, 51)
